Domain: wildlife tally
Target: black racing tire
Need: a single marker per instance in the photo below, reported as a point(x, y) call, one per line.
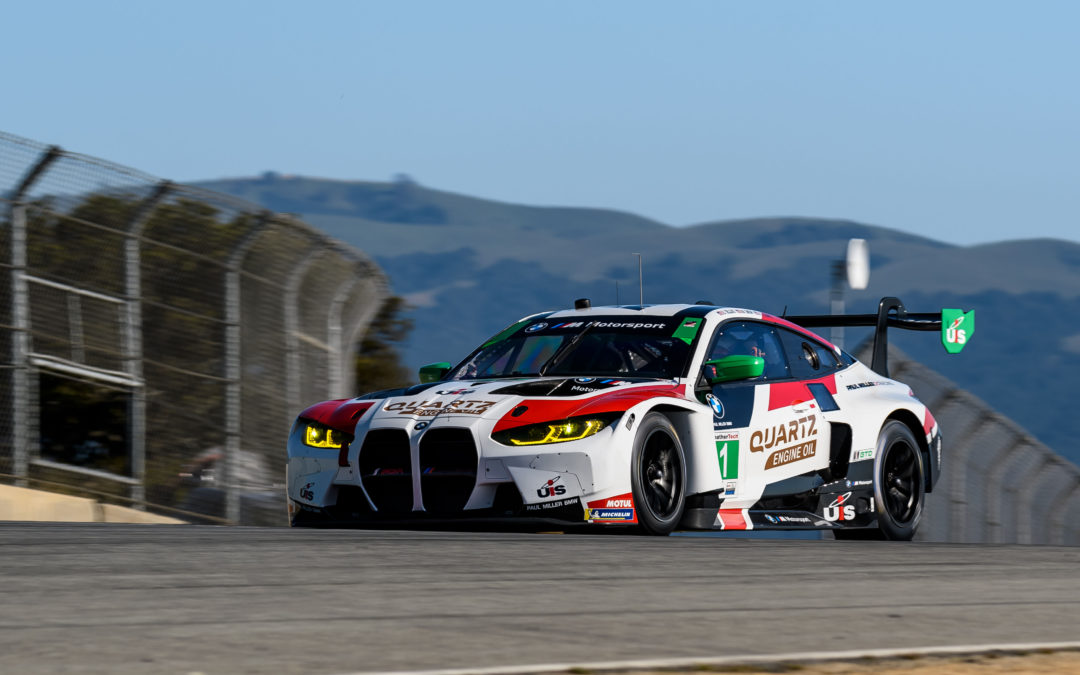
point(658, 475)
point(899, 482)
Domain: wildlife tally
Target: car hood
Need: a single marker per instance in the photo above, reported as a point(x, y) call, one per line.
point(549, 397)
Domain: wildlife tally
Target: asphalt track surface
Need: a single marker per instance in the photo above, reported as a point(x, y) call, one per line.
point(100, 598)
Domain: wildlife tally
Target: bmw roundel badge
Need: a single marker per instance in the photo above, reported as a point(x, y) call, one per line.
point(716, 405)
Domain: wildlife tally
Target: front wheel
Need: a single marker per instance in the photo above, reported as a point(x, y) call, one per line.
point(658, 475)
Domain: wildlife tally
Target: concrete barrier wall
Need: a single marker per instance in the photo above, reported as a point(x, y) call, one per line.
point(23, 504)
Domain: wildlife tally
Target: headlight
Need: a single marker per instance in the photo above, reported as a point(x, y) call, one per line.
point(319, 436)
point(552, 432)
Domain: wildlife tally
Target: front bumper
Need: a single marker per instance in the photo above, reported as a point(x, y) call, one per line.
point(450, 470)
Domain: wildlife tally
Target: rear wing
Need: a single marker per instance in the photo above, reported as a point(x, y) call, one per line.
point(956, 326)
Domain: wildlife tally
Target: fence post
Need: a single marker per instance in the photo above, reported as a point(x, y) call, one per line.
point(292, 326)
point(1056, 533)
point(1022, 506)
point(995, 490)
point(378, 292)
point(234, 365)
point(335, 372)
point(20, 322)
point(133, 346)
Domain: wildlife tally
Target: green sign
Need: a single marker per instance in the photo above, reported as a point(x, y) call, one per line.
point(957, 327)
point(687, 329)
point(727, 453)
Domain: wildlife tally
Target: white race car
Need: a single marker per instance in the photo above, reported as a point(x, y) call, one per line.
point(656, 417)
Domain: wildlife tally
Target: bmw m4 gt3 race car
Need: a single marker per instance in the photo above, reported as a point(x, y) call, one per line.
point(657, 417)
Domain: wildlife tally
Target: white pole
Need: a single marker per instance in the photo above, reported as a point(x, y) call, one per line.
point(640, 281)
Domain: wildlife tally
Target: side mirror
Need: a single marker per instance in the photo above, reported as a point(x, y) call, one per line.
point(732, 368)
point(433, 372)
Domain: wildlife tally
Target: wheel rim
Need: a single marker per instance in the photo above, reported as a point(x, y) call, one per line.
point(661, 475)
point(899, 486)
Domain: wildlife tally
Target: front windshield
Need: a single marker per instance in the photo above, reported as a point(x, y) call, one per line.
point(604, 346)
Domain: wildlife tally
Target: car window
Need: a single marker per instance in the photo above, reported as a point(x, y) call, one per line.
point(807, 357)
point(601, 346)
point(827, 356)
point(750, 338)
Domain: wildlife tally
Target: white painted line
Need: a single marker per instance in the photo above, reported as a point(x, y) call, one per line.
point(689, 662)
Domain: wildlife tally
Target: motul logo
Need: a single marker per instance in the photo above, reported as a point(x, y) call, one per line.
point(622, 503)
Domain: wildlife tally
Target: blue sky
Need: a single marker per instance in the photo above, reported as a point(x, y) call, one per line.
point(955, 120)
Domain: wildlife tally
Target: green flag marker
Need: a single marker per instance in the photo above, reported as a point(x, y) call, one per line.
point(687, 329)
point(957, 327)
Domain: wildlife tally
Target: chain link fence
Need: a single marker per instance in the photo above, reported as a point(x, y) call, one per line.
point(999, 485)
point(157, 339)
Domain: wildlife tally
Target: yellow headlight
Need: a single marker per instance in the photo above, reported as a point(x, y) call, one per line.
point(318, 436)
point(570, 430)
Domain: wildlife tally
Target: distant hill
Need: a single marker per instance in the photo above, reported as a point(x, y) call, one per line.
point(471, 266)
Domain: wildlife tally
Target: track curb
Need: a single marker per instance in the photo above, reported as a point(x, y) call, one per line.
point(744, 659)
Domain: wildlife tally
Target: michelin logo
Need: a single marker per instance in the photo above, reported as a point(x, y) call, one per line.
point(611, 514)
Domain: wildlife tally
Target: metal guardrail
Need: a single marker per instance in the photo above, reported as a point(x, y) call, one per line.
point(177, 329)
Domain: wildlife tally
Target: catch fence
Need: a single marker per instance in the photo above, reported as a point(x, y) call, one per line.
point(999, 485)
point(156, 339)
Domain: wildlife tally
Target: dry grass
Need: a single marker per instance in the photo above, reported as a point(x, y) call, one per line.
point(988, 663)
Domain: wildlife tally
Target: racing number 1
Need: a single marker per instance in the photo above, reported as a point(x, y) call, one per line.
point(727, 452)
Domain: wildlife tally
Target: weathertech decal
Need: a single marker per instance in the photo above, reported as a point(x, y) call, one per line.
point(432, 408)
point(612, 510)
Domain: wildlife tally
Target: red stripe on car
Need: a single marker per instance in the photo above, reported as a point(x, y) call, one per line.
point(731, 519)
point(552, 410)
point(784, 394)
point(340, 414)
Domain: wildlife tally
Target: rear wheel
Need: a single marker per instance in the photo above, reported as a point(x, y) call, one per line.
point(658, 475)
point(899, 484)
